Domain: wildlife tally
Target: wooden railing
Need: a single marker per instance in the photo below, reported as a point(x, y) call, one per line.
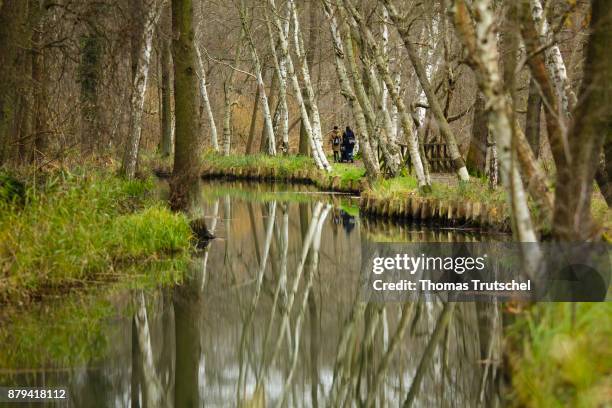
point(436, 154)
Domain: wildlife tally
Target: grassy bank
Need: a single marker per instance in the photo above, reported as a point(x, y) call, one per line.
point(84, 225)
point(560, 356)
point(470, 203)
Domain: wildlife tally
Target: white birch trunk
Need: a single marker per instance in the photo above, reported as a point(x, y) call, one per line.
point(317, 150)
point(427, 88)
point(227, 119)
point(406, 120)
point(260, 83)
point(482, 45)
point(315, 118)
point(214, 142)
point(346, 89)
point(554, 61)
point(280, 64)
point(130, 158)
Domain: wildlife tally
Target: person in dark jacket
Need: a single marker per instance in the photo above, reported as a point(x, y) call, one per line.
point(348, 144)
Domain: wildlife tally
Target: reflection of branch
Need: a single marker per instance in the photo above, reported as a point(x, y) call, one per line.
point(384, 363)
point(443, 321)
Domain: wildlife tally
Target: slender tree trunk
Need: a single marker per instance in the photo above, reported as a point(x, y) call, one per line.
point(315, 143)
point(12, 18)
point(167, 144)
point(187, 157)
point(555, 63)
point(434, 104)
point(205, 101)
point(383, 70)
point(260, 82)
point(314, 116)
point(477, 153)
point(372, 169)
point(481, 42)
point(310, 50)
point(250, 140)
point(532, 121)
point(227, 118)
point(604, 172)
point(572, 218)
point(40, 84)
point(130, 158)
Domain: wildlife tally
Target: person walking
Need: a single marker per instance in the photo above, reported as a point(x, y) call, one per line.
point(335, 141)
point(348, 144)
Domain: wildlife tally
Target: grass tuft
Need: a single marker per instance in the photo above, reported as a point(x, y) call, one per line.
point(80, 224)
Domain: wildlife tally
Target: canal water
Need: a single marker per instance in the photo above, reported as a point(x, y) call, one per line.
point(267, 315)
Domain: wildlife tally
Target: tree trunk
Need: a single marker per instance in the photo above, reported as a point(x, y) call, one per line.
point(371, 166)
point(477, 153)
point(167, 143)
point(555, 63)
point(604, 172)
point(227, 118)
point(315, 143)
point(187, 144)
point(532, 120)
point(481, 42)
point(130, 158)
point(250, 140)
point(310, 50)
point(205, 102)
point(434, 104)
point(260, 82)
point(40, 84)
point(572, 219)
point(383, 70)
point(314, 116)
point(11, 23)
point(89, 76)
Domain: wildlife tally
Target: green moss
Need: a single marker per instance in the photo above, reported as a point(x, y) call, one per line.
point(81, 224)
point(560, 355)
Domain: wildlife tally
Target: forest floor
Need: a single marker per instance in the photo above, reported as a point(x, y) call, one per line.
point(82, 226)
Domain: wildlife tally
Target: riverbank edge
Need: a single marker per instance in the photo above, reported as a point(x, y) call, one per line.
point(152, 235)
point(408, 206)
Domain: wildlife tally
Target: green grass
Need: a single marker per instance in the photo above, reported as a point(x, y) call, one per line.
point(81, 225)
point(347, 172)
point(285, 165)
point(561, 357)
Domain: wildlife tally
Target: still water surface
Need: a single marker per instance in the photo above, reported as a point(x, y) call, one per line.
point(267, 315)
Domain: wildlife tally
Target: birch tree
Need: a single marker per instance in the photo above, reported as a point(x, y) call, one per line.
point(314, 117)
point(315, 142)
point(554, 61)
point(167, 119)
point(205, 100)
point(372, 169)
point(280, 65)
point(382, 66)
point(432, 99)
point(141, 77)
point(480, 39)
point(573, 195)
point(259, 78)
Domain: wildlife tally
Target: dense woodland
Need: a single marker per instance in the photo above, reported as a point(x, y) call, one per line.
point(519, 91)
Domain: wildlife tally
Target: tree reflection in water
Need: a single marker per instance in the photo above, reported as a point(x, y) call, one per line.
point(269, 314)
